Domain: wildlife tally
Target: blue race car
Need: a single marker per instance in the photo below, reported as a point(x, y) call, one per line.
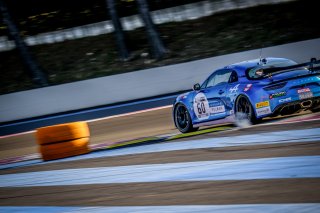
point(256, 89)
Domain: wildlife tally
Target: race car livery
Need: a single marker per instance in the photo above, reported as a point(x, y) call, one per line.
point(257, 89)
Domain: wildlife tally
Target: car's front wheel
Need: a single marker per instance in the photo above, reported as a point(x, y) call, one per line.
point(244, 110)
point(182, 119)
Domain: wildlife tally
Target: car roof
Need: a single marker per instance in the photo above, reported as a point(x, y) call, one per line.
point(244, 65)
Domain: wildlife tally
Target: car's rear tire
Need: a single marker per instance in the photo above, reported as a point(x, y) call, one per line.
point(183, 120)
point(244, 110)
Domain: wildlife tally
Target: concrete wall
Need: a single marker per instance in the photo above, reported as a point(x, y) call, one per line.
point(135, 85)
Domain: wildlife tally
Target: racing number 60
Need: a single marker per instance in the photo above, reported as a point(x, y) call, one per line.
point(201, 108)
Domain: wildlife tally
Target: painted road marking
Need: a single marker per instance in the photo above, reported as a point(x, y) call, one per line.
point(130, 113)
point(291, 136)
point(240, 208)
point(219, 170)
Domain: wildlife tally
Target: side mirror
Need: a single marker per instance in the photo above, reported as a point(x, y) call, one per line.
point(196, 87)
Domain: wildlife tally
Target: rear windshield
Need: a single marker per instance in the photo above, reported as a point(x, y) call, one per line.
point(257, 71)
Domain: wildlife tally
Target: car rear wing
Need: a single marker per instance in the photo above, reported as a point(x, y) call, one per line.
point(308, 65)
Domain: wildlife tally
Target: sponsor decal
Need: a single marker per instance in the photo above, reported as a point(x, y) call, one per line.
point(277, 94)
point(262, 104)
point(217, 109)
point(234, 89)
point(263, 111)
point(248, 87)
point(215, 103)
point(305, 95)
point(285, 100)
point(303, 90)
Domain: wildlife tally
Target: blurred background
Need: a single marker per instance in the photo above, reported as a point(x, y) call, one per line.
point(44, 43)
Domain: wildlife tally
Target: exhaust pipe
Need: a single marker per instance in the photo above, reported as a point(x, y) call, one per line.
point(287, 110)
point(306, 104)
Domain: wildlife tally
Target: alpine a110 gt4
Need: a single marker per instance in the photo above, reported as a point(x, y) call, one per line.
point(257, 89)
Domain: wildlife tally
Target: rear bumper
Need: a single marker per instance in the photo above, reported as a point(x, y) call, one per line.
point(296, 106)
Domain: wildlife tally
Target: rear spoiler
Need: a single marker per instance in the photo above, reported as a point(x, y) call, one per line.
point(309, 65)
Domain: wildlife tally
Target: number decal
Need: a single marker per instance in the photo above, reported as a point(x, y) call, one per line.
point(201, 106)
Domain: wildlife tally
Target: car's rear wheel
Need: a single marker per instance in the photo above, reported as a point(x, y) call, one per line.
point(244, 110)
point(182, 119)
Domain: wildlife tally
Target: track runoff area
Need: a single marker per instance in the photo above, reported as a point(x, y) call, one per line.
point(271, 167)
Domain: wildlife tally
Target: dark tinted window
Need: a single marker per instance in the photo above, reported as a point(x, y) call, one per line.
point(257, 71)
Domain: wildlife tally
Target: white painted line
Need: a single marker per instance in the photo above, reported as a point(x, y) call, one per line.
point(17, 134)
point(239, 208)
point(243, 169)
point(131, 113)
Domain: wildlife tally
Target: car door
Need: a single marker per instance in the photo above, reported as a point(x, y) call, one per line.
point(210, 102)
point(232, 91)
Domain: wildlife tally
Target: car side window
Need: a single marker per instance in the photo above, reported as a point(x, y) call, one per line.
point(204, 85)
point(233, 77)
point(211, 80)
point(218, 77)
point(222, 77)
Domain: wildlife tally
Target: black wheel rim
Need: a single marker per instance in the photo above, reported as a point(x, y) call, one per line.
point(244, 106)
point(182, 117)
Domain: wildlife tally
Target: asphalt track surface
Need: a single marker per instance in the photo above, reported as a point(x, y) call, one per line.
point(272, 167)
